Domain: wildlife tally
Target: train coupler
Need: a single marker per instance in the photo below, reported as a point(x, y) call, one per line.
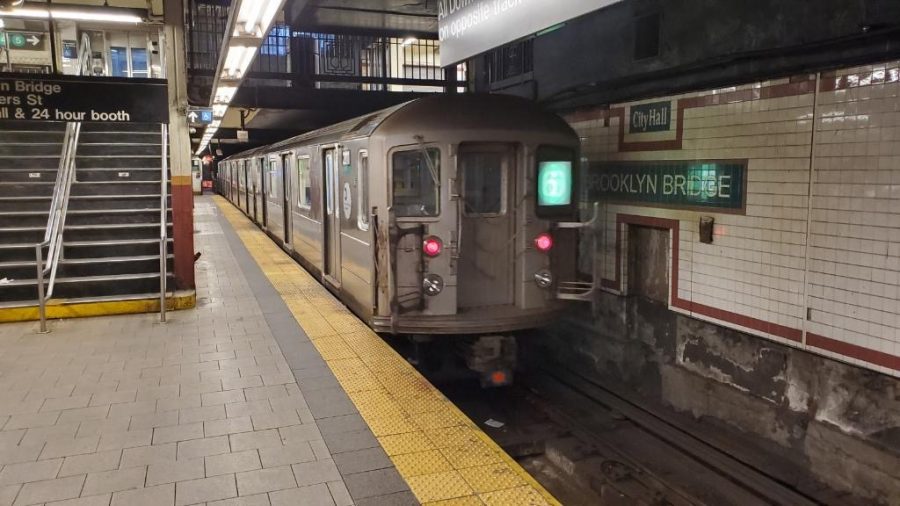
point(494, 359)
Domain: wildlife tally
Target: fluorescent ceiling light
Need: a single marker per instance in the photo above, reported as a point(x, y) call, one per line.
point(409, 40)
point(102, 15)
point(97, 16)
point(224, 94)
point(255, 16)
point(219, 110)
point(237, 61)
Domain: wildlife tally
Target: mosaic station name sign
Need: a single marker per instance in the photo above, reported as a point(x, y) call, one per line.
point(688, 184)
point(90, 99)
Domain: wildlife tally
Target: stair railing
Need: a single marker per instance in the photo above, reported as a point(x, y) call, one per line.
point(59, 203)
point(163, 230)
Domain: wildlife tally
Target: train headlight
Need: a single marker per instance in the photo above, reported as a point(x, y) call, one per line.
point(432, 284)
point(543, 278)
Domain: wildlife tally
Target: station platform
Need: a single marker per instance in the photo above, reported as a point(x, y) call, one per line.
point(270, 391)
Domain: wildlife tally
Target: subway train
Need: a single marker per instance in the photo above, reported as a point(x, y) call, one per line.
point(447, 217)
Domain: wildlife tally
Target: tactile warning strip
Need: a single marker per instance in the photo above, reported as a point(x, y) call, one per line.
point(443, 456)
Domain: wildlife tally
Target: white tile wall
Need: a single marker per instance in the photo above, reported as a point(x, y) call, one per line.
point(854, 267)
point(757, 264)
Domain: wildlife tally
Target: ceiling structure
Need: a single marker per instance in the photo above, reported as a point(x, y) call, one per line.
point(271, 113)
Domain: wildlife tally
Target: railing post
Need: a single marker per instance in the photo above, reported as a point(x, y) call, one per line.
point(42, 309)
point(163, 232)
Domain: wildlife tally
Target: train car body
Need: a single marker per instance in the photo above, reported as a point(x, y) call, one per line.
point(432, 217)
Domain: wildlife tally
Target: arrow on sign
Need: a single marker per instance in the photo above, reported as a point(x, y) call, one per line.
point(192, 116)
point(34, 40)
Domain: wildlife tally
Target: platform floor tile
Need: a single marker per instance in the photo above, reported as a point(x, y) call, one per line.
point(126, 411)
point(443, 456)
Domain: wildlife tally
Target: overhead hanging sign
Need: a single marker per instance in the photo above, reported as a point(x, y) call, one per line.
point(200, 115)
point(470, 27)
point(679, 184)
point(88, 99)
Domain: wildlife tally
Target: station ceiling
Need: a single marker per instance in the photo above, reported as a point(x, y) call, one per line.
point(273, 114)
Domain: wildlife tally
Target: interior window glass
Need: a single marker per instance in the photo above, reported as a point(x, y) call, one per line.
point(303, 182)
point(415, 188)
point(139, 66)
point(363, 190)
point(118, 60)
point(483, 178)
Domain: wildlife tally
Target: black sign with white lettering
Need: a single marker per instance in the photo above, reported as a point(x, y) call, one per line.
point(686, 184)
point(655, 117)
point(89, 99)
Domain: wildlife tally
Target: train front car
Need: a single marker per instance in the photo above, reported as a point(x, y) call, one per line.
point(476, 187)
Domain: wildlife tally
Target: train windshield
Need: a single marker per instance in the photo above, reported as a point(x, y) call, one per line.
point(415, 192)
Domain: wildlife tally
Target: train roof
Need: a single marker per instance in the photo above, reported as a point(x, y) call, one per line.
point(439, 112)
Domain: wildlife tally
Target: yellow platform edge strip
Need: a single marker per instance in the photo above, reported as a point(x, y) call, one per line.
point(445, 458)
point(60, 309)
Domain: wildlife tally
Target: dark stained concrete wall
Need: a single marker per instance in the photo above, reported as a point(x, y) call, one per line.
point(703, 43)
point(826, 421)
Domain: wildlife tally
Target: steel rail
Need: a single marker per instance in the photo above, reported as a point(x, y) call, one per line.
point(59, 204)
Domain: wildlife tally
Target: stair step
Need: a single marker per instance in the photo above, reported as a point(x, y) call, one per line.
point(87, 286)
point(80, 267)
point(116, 149)
point(87, 300)
point(29, 162)
point(82, 202)
point(112, 242)
point(121, 128)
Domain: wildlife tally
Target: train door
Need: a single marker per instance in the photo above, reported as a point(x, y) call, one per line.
point(332, 221)
point(255, 190)
point(286, 195)
point(236, 173)
point(246, 175)
point(264, 191)
point(487, 249)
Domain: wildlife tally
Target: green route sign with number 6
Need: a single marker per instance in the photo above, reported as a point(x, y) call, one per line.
point(555, 183)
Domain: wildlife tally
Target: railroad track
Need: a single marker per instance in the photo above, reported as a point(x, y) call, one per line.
point(645, 458)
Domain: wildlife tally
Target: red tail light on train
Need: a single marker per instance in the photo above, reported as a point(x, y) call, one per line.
point(543, 242)
point(432, 246)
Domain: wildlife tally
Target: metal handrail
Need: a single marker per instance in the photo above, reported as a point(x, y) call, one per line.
point(59, 203)
point(163, 232)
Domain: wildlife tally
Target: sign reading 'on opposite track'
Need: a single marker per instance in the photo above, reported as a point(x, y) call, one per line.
point(469, 27)
point(26, 97)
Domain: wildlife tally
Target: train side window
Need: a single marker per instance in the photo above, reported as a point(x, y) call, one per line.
point(362, 188)
point(272, 165)
point(415, 188)
point(304, 199)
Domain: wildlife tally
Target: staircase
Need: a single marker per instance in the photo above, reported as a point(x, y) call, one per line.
point(111, 235)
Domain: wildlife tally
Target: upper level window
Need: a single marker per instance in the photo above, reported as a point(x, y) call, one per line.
point(415, 183)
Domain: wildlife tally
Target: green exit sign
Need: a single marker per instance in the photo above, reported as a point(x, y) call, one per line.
point(554, 183)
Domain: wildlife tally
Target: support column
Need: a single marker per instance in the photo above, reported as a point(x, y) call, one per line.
point(180, 146)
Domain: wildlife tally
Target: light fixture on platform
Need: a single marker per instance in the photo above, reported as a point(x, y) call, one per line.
point(102, 15)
